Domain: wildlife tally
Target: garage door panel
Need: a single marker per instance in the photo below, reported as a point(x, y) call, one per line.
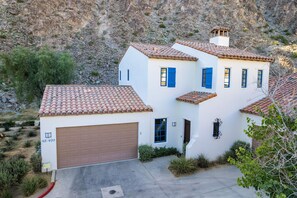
point(78, 146)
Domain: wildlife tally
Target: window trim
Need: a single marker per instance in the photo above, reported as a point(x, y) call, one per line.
point(260, 80)
point(203, 84)
point(229, 77)
point(165, 131)
point(166, 76)
point(128, 75)
point(246, 78)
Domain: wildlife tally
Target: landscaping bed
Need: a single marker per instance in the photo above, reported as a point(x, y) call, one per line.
point(20, 160)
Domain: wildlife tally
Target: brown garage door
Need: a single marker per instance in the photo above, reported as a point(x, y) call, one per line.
point(78, 146)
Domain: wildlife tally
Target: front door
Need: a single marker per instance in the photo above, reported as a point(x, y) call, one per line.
point(187, 131)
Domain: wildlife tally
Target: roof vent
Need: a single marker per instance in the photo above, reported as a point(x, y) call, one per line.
point(220, 36)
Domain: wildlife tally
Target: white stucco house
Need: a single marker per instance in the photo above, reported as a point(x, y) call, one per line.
point(191, 92)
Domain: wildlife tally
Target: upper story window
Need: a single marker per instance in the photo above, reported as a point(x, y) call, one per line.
point(128, 74)
point(163, 77)
point(160, 130)
point(207, 78)
point(244, 78)
point(120, 75)
point(168, 77)
point(227, 76)
point(260, 78)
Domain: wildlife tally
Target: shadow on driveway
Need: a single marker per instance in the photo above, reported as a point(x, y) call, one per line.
point(144, 180)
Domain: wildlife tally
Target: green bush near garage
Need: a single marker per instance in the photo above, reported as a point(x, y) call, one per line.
point(147, 152)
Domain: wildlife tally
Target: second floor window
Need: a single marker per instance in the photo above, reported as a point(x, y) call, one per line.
point(120, 75)
point(207, 78)
point(168, 77)
point(260, 78)
point(227, 76)
point(244, 78)
point(128, 74)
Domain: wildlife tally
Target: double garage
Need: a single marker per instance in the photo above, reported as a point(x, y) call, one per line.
point(85, 125)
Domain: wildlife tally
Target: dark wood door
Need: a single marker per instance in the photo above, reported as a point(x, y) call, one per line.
point(187, 131)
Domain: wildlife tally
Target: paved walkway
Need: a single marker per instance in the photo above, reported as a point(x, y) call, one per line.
point(145, 180)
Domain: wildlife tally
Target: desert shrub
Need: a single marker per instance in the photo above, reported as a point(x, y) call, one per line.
point(31, 70)
point(5, 194)
point(42, 182)
point(35, 161)
point(9, 144)
point(28, 123)
point(32, 134)
point(15, 136)
point(2, 155)
point(221, 160)
point(12, 171)
point(202, 161)
point(182, 166)
point(27, 144)
point(294, 55)
point(8, 124)
point(280, 38)
point(19, 156)
point(38, 147)
point(146, 153)
point(29, 186)
point(163, 151)
point(94, 73)
point(162, 25)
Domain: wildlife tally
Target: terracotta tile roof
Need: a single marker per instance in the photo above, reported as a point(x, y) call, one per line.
point(196, 97)
point(84, 99)
point(225, 52)
point(284, 93)
point(162, 52)
point(220, 28)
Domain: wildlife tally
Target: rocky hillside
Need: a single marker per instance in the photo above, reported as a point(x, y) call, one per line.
point(97, 32)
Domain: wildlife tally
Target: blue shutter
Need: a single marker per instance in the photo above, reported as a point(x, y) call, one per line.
point(208, 82)
point(171, 77)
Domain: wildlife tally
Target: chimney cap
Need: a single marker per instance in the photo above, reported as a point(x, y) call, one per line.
point(222, 28)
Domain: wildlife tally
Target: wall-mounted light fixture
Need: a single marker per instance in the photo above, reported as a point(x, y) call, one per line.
point(174, 124)
point(216, 128)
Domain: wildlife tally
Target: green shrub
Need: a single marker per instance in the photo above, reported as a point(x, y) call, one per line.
point(32, 134)
point(38, 146)
point(236, 146)
point(9, 144)
point(294, 55)
point(15, 136)
point(162, 25)
point(280, 38)
point(94, 73)
point(28, 123)
point(31, 70)
point(12, 171)
point(27, 144)
point(42, 182)
point(29, 186)
point(146, 153)
point(7, 125)
point(5, 194)
point(182, 166)
point(202, 161)
point(36, 163)
point(19, 156)
point(2, 155)
point(163, 151)
point(222, 159)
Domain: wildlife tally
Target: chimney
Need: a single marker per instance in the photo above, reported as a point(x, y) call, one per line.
point(220, 36)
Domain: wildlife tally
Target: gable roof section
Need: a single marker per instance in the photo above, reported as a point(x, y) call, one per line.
point(284, 93)
point(225, 52)
point(162, 52)
point(196, 97)
point(84, 99)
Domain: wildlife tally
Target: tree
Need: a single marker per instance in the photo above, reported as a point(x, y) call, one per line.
point(272, 167)
point(31, 70)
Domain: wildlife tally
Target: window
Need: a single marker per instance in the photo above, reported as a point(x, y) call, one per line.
point(244, 78)
point(160, 130)
point(168, 76)
point(128, 74)
point(227, 77)
point(207, 78)
point(163, 77)
point(260, 78)
point(120, 75)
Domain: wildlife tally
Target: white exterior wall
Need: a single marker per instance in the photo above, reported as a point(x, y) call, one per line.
point(137, 64)
point(204, 61)
point(226, 106)
point(244, 125)
point(220, 40)
point(163, 99)
point(49, 124)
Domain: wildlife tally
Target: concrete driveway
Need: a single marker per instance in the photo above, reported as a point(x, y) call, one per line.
point(153, 179)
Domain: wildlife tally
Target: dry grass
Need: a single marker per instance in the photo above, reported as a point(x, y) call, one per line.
point(27, 114)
